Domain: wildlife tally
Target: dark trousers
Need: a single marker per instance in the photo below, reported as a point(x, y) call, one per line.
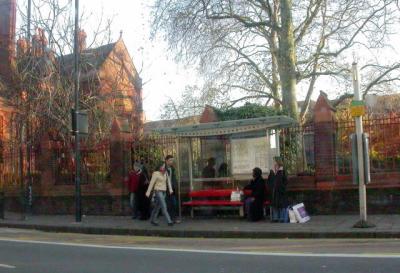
point(254, 209)
point(172, 204)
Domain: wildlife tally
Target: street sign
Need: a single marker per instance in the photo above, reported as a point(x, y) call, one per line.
point(83, 122)
point(365, 159)
point(357, 108)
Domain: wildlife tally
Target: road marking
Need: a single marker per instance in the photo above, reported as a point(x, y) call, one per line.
point(7, 266)
point(251, 253)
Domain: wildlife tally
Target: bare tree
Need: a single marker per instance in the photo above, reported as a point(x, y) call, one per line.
point(192, 102)
point(45, 70)
point(267, 48)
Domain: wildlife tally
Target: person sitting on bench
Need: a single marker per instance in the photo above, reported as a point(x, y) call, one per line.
point(254, 204)
point(209, 170)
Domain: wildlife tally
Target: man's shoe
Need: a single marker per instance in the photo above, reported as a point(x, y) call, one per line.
point(170, 224)
point(154, 223)
point(177, 221)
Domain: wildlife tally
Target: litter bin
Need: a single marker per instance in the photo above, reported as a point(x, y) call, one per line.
point(1, 205)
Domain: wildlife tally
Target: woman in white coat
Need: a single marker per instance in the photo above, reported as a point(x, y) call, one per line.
point(159, 183)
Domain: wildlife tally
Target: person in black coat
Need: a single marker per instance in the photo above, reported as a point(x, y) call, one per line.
point(279, 201)
point(143, 201)
point(254, 204)
point(172, 199)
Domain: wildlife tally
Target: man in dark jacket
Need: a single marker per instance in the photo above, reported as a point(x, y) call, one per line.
point(172, 201)
point(254, 204)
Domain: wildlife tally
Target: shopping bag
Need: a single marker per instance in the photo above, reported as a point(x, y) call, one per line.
point(235, 196)
point(292, 216)
point(301, 213)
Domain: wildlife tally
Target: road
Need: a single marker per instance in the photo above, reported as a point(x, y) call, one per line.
point(41, 252)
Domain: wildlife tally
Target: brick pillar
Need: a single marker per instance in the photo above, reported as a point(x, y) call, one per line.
point(208, 115)
point(116, 155)
point(118, 168)
point(46, 164)
point(324, 140)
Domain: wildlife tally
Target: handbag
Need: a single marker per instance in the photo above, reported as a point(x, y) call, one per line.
point(235, 196)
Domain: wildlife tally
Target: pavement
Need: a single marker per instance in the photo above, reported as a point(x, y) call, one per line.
point(321, 226)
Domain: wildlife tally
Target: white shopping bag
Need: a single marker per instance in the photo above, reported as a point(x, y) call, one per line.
point(301, 213)
point(235, 196)
point(292, 216)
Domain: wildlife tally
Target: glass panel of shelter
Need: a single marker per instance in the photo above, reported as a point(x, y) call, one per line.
point(213, 159)
point(211, 162)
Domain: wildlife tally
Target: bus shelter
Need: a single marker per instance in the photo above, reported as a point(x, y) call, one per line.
point(221, 154)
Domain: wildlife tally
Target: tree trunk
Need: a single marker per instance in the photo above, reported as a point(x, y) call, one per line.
point(287, 60)
point(275, 78)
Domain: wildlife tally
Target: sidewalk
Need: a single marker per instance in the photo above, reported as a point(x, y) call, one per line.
point(325, 226)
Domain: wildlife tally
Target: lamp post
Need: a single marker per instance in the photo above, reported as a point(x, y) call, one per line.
point(78, 210)
point(360, 149)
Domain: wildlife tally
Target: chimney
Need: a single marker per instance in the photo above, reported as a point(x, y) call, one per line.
point(7, 38)
point(39, 43)
point(82, 40)
point(22, 47)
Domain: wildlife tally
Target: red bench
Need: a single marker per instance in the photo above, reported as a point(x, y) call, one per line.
point(215, 198)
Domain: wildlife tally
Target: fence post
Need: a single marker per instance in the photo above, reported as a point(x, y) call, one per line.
point(324, 140)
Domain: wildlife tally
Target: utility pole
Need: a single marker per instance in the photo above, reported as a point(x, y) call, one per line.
point(28, 124)
point(78, 209)
point(362, 223)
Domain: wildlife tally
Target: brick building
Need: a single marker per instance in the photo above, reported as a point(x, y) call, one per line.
point(112, 89)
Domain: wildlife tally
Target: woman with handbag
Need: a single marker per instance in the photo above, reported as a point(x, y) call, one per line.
point(158, 186)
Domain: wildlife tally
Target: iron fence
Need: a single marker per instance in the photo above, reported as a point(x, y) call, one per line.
point(152, 149)
point(384, 143)
point(95, 164)
point(297, 149)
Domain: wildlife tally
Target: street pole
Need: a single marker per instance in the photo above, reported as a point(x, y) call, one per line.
point(78, 210)
point(28, 31)
point(28, 124)
point(362, 223)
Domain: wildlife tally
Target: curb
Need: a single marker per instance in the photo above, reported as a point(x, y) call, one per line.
point(207, 234)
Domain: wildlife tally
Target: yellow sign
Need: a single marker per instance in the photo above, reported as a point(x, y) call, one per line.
point(357, 108)
point(357, 111)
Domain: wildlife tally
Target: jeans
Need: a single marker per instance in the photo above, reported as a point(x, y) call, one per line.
point(279, 214)
point(160, 204)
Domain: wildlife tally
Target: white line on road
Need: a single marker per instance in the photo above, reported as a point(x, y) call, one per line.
point(7, 266)
point(284, 254)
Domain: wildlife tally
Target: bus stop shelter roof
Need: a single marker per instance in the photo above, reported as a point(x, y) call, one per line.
point(229, 127)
